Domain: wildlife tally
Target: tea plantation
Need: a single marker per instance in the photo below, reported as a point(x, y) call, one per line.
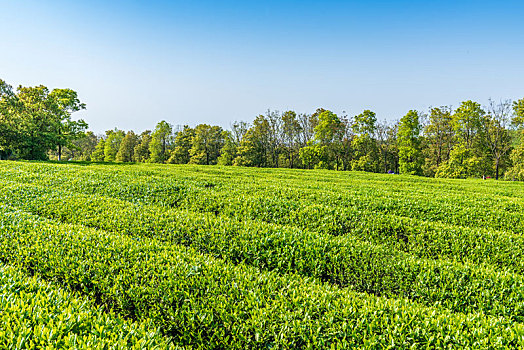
point(144, 256)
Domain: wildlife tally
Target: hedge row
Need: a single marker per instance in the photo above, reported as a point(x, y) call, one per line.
point(333, 211)
point(344, 261)
point(36, 315)
point(208, 303)
point(422, 239)
point(185, 186)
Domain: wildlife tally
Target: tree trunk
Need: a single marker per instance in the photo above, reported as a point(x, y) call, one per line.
point(497, 169)
point(59, 153)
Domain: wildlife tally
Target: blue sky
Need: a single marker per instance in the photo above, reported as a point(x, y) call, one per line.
point(135, 63)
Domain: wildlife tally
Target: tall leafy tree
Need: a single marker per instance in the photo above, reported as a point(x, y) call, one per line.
point(366, 153)
point(290, 141)
point(81, 148)
point(467, 121)
point(161, 141)
point(229, 150)
point(495, 134)
point(183, 144)
point(307, 123)
point(206, 144)
point(518, 109)
point(409, 144)
point(468, 157)
point(126, 152)
point(438, 139)
point(254, 150)
point(386, 138)
point(37, 128)
point(141, 151)
point(98, 154)
point(112, 144)
point(8, 120)
point(34, 121)
point(329, 134)
point(516, 172)
point(65, 102)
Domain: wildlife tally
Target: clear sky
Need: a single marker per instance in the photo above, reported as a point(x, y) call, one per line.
point(135, 63)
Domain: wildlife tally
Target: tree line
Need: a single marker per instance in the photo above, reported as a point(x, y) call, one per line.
point(35, 121)
point(469, 141)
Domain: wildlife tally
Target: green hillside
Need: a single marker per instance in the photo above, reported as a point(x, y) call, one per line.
point(227, 257)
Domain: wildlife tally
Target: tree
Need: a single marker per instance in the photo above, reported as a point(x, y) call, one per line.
point(462, 163)
point(409, 150)
point(518, 109)
point(126, 152)
point(183, 143)
point(307, 123)
point(290, 130)
point(438, 140)
point(346, 150)
point(466, 123)
point(516, 172)
point(329, 133)
point(238, 131)
point(254, 150)
point(366, 153)
point(81, 148)
point(112, 144)
point(34, 121)
point(141, 151)
point(232, 141)
point(8, 120)
point(392, 148)
point(206, 144)
point(63, 103)
point(494, 132)
point(386, 138)
point(229, 149)
point(161, 140)
point(98, 153)
point(468, 157)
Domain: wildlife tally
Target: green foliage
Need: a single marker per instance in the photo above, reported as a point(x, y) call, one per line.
point(201, 251)
point(468, 157)
point(126, 151)
point(183, 143)
point(161, 141)
point(366, 156)
point(518, 108)
point(438, 139)
point(112, 144)
point(206, 144)
point(467, 121)
point(81, 148)
point(37, 315)
point(35, 121)
point(98, 153)
point(409, 144)
point(516, 172)
point(229, 150)
point(329, 133)
point(254, 147)
point(205, 302)
point(141, 151)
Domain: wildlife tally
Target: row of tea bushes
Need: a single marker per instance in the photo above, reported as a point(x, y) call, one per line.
point(277, 202)
point(422, 239)
point(36, 315)
point(208, 303)
point(345, 261)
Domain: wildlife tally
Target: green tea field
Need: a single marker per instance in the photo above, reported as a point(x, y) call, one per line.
point(144, 256)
